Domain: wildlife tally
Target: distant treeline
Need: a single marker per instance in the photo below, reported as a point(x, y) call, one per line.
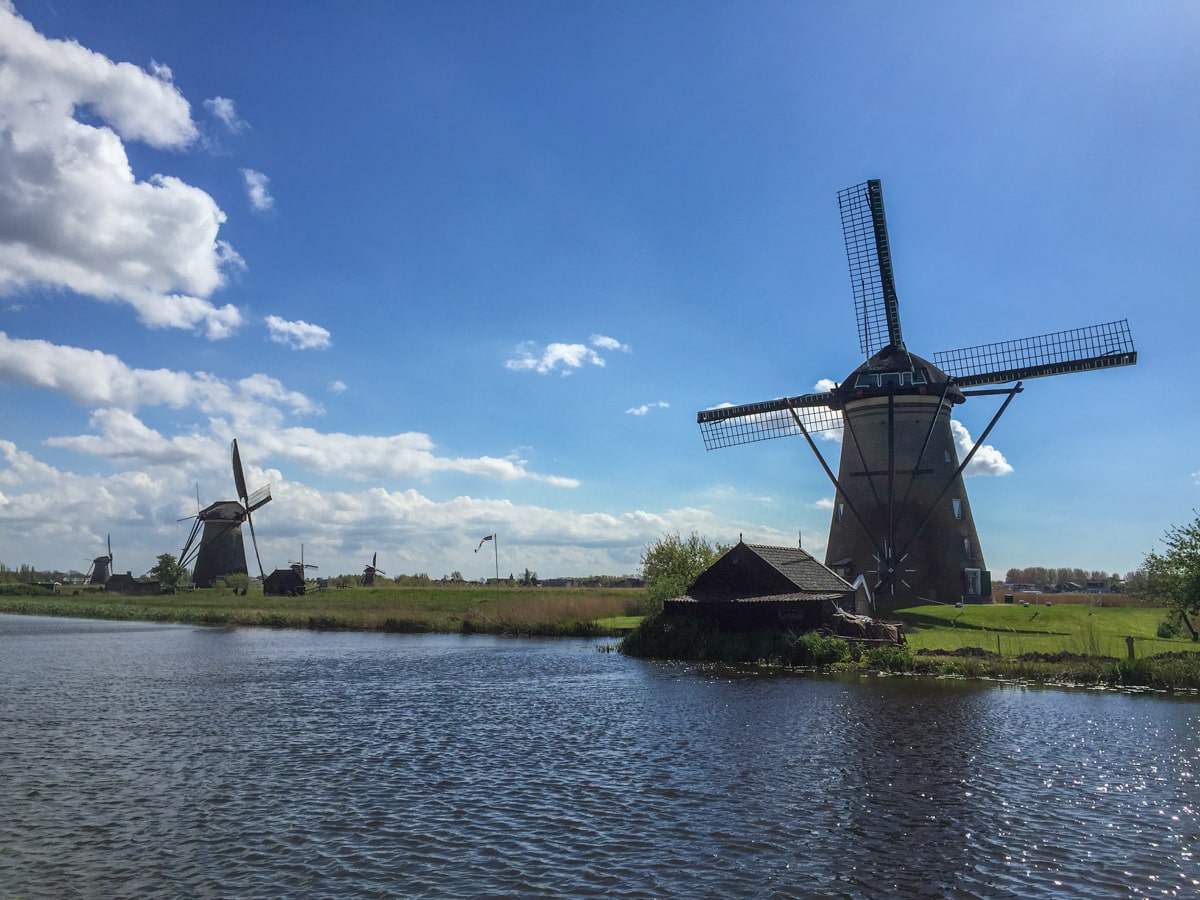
point(1041, 575)
point(25, 574)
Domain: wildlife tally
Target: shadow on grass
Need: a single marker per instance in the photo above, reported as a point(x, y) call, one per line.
point(921, 620)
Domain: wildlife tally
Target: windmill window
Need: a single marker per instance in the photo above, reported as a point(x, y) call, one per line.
point(841, 512)
point(947, 455)
point(967, 547)
point(957, 504)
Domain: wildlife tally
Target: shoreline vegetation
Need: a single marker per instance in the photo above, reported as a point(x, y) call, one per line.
point(1074, 639)
point(554, 612)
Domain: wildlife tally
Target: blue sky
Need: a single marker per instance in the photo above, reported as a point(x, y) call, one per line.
point(449, 269)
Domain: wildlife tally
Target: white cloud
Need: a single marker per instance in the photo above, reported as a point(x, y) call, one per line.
point(222, 109)
point(94, 379)
point(72, 213)
point(646, 407)
point(255, 404)
point(606, 343)
point(56, 518)
point(987, 459)
point(569, 357)
point(256, 189)
point(408, 455)
point(298, 335)
point(337, 387)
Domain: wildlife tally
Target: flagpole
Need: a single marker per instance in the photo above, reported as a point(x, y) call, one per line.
point(496, 549)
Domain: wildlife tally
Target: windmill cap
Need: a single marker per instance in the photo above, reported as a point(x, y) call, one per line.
point(897, 370)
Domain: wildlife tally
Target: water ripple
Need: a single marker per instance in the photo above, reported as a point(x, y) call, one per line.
point(168, 761)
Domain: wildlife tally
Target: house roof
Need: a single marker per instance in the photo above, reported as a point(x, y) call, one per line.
point(764, 573)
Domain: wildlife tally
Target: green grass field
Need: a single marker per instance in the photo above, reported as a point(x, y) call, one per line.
point(1015, 630)
point(427, 609)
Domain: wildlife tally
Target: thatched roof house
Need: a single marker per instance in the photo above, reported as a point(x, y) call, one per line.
point(755, 586)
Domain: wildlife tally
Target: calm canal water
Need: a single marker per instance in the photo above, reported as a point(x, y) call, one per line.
point(144, 761)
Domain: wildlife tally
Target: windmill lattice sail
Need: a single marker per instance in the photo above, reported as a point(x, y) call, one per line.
point(1058, 353)
point(730, 425)
point(864, 229)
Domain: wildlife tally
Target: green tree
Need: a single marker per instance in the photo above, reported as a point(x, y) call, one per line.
point(169, 572)
point(1173, 576)
point(671, 564)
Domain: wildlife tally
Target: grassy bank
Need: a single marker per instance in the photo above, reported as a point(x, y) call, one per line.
point(471, 609)
point(1057, 644)
point(1075, 643)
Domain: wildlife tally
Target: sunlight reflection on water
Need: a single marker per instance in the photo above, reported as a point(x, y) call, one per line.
point(142, 760)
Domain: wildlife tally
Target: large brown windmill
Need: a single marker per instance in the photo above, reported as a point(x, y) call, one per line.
point(221, 550)
point(901, 517)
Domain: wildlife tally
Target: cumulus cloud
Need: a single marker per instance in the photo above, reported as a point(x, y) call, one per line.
point(987, 459)
point(567, 357)
point(72, 213)
point(256, 189)
point(222, 109)
point(337, 387)
point(254, 404)
point(94, 379)
point(408, 455)
point(646, 407)
point(298, 335)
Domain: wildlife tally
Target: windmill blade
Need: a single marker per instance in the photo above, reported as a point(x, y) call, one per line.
point(727, 426)
point(254, 541)
point(110, 556)
point(1059, 353)
point(864, 228)
point(261, 497)
point(239, 476)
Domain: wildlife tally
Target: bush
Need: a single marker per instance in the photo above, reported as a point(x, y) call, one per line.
point(890, 659)
point(814, 649)
point(1168, 628)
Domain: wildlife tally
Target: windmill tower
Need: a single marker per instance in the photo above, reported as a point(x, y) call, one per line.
point(101, 568)
point(221, 550)
point(369, 572)
point(901, 517)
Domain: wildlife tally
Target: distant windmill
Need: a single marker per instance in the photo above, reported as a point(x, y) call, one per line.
point(302, 565)
point(369, 572)
point(901, 517)
point(101, 568)
point(220, 550)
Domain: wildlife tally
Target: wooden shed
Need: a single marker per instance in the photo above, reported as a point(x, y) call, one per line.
point(129, 586)
point(284, 583)
point(756, 586)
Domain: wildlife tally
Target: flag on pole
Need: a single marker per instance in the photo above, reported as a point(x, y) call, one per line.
point(484, 541)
